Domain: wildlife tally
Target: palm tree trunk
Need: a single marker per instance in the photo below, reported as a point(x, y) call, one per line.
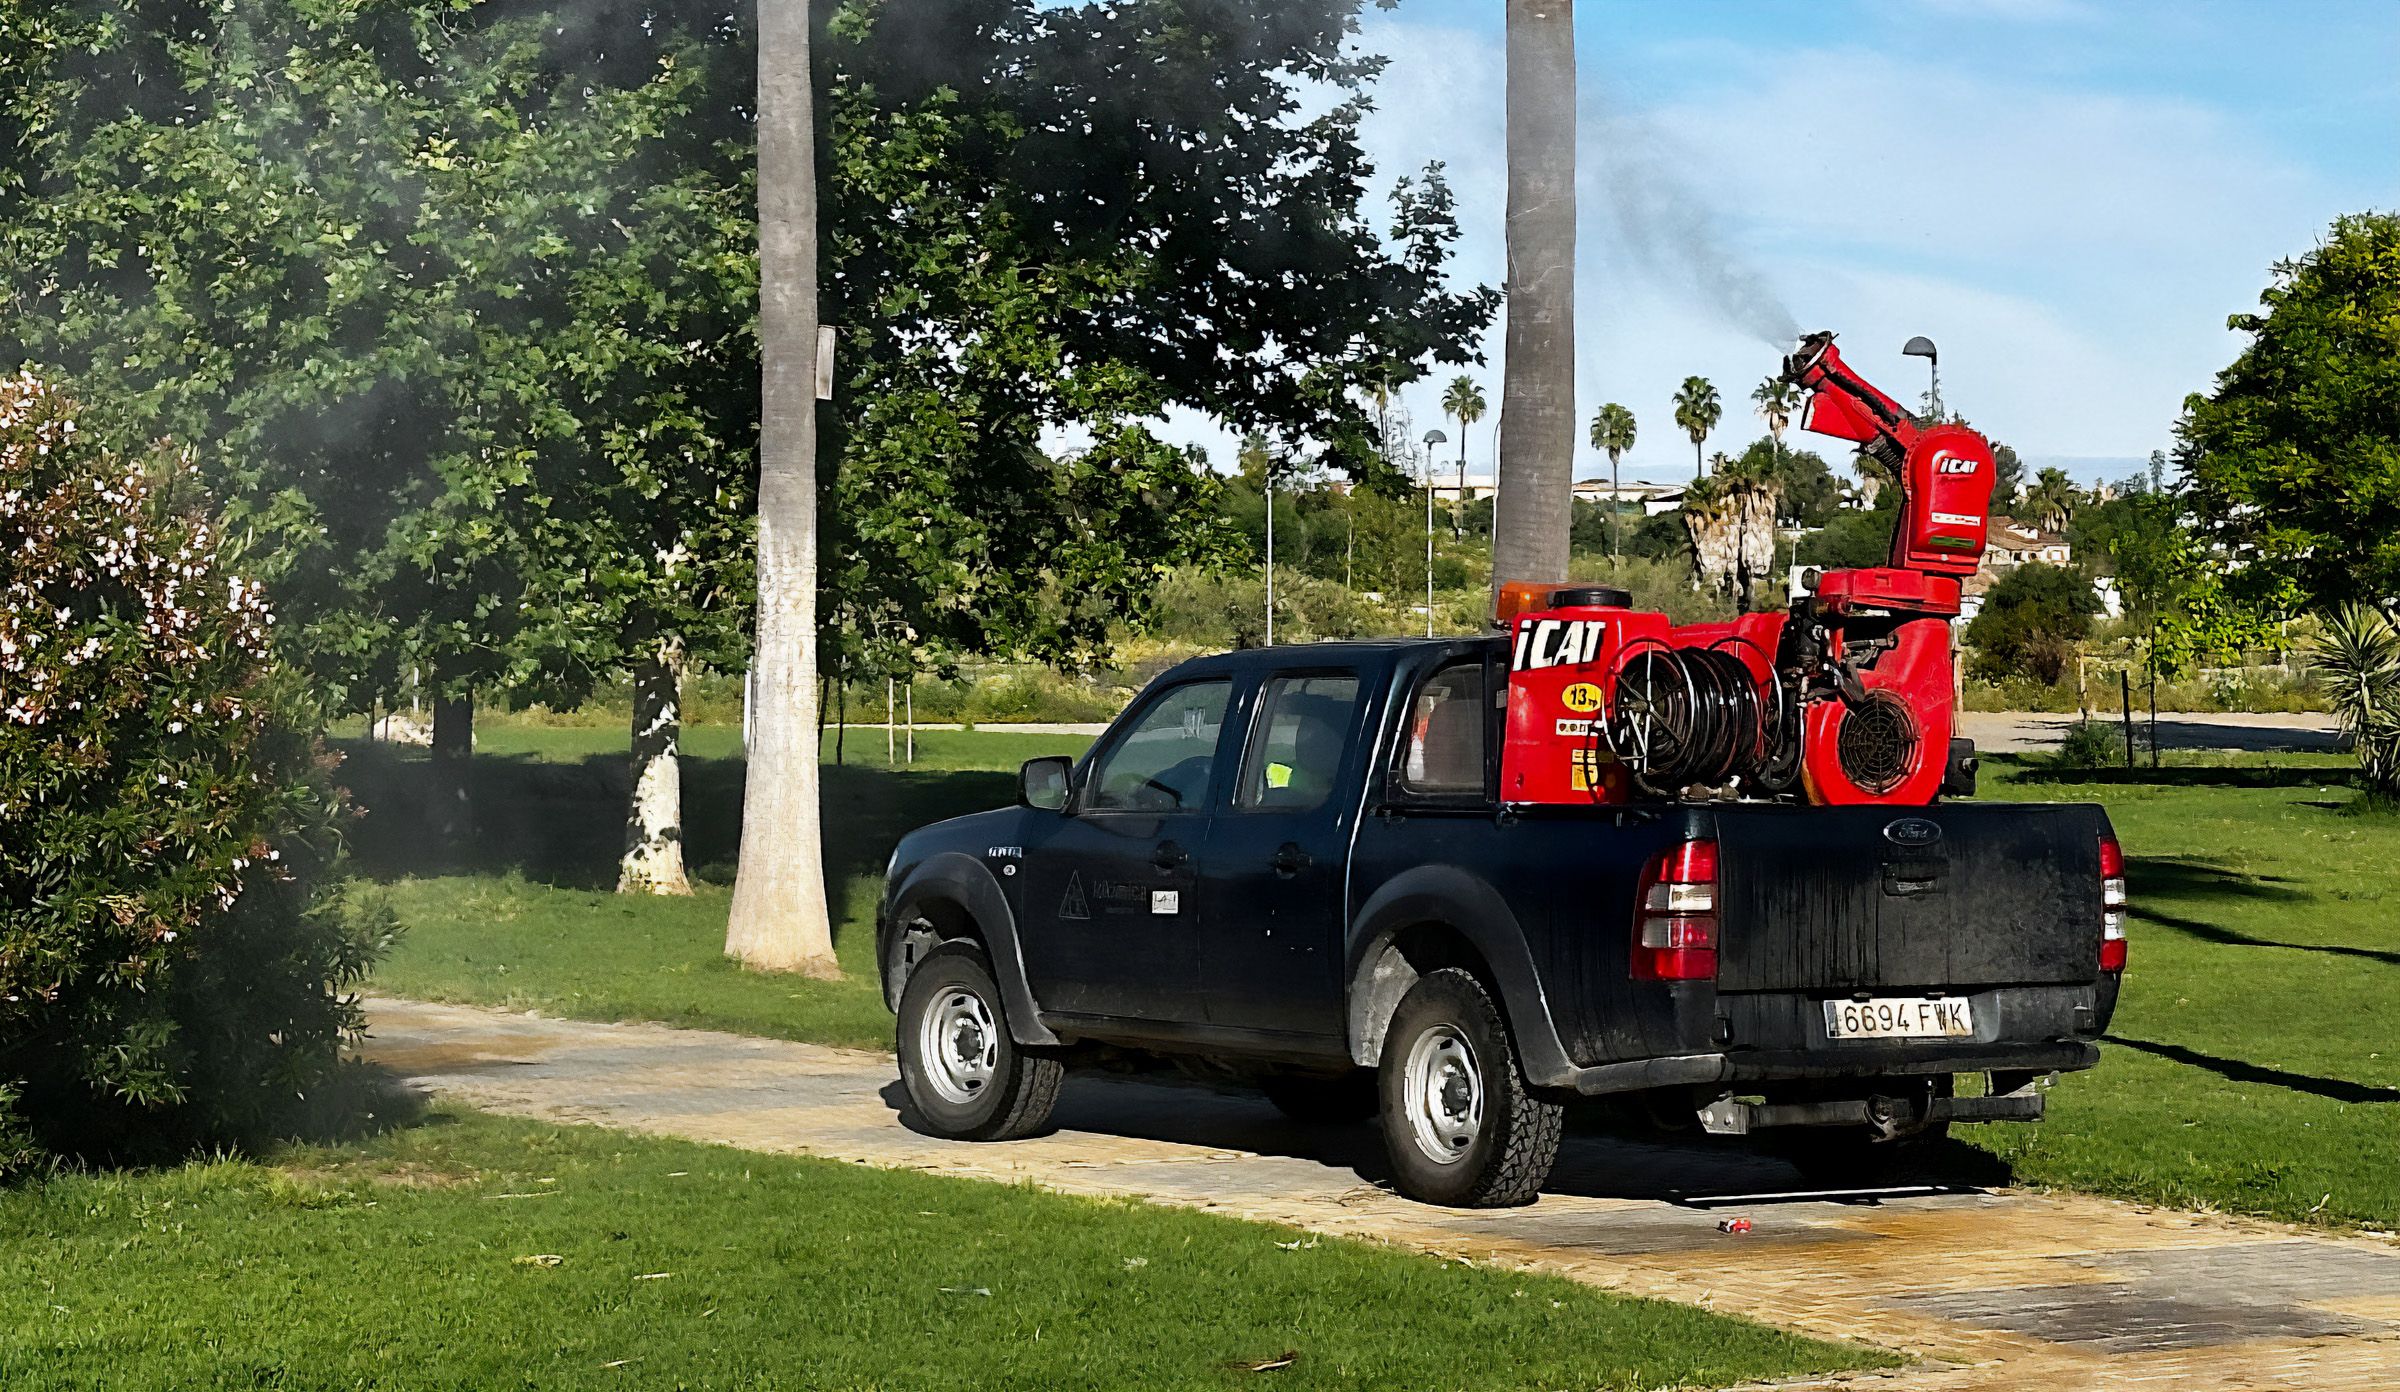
point(779, 920)
point(1458, 512)
point(653, 861)
point(1616, 514)
point(1533, 513)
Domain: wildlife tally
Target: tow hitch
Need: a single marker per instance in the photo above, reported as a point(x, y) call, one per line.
point(1890, 1118)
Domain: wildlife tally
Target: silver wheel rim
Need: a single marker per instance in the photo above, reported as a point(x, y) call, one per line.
point(960, 1043)
point(1442, 1092)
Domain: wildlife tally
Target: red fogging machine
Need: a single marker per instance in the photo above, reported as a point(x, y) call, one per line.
point(1847, 699)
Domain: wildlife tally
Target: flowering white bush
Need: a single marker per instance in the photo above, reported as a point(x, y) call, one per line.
point(166, 964)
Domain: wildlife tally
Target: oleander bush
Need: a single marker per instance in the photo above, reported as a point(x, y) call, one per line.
point(174, 954)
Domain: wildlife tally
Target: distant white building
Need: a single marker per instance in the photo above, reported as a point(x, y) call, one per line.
point(1652, 498)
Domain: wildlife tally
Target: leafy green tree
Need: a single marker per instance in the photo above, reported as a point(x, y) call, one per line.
point(1697, 411)
point(1018, 248)
point(1853, 538)
point(2031, 622)
point(1613, 433)
point(2008, 477)
point(2178, 599)
point(478, 384)
point(2294, 457)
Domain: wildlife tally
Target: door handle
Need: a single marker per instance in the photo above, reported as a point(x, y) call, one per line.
point(1170, 857)
point(1290, 860)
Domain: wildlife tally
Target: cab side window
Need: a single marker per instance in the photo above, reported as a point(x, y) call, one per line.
point(1163, 761)
point(1297, 741)
point(1442, 750)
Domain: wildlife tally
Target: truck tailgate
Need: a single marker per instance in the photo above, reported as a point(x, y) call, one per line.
point(1907, 899)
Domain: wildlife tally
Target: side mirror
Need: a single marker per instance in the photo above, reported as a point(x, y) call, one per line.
point(1042, 784)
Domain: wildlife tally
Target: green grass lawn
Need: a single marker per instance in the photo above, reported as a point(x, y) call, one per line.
point(2256, 1062)
point(530, 921)
point(475, 1253)
point(2258, 1043)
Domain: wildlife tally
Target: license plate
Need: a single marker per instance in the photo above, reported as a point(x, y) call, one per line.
point(1898, 1019)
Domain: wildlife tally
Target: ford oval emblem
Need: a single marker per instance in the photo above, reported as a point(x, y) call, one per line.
point(1915, 833)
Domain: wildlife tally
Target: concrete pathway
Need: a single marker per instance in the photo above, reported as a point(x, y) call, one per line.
point(2008, 732)
point(1991, 1290)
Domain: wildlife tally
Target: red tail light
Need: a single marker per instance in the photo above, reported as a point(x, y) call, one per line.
point(1675, 924)
point(2112, 905)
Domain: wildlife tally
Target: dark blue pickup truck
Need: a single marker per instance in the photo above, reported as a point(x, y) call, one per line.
point(1289, 865)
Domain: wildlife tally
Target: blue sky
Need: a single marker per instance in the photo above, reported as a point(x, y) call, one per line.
point(2069, 196)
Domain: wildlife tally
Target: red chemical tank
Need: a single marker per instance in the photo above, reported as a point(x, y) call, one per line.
point(1848, 699)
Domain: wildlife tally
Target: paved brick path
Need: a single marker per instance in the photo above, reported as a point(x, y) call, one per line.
point(1991, 1290)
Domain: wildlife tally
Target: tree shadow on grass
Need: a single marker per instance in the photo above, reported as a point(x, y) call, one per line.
point(2242, 1071)
point(2190, 878)
point(2234, 776)
point(563, 824)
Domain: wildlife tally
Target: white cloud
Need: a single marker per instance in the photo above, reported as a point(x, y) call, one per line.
point(2075, 252)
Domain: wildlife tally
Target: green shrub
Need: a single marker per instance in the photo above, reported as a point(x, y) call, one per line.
point(170, 973)
point(2031, 622)
point(2090, 744)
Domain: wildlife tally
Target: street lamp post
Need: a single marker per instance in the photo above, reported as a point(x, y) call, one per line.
point(1434, 439)
point(1922, 347)
point(1267, 477)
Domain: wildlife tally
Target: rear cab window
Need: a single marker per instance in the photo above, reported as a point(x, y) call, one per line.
point(1443, 755)
point(1299, 741)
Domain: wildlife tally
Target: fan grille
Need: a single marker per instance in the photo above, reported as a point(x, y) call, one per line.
point(1878, 744)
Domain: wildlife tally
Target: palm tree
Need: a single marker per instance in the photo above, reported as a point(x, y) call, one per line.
point(2360, 655)
point(1463, 403)
point(1725, 513)
point(1534, 511)
point(1612, 434)
point(779, 921)
point(1697, 410)
point(2051, 500)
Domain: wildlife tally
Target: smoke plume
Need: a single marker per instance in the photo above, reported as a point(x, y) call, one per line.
point(1667, 231)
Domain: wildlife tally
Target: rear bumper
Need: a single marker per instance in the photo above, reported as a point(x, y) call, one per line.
point(1863, 1060)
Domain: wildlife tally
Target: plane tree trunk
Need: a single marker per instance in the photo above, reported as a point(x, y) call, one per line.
point(653, 862)
point(450, 791)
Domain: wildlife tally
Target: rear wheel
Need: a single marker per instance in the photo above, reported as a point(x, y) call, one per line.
point(1459, 1124)
point(1322, 1101)
point(966, 1078)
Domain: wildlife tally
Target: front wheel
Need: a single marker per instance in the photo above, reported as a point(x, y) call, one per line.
point(966, 1078)
point(1459, 1124)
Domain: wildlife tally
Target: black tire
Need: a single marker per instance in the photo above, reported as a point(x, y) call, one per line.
point(985, 1088)
point(1322, 1101)
point(1460, 1126)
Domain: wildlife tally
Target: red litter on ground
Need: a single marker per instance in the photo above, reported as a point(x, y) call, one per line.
point(1739, 1227)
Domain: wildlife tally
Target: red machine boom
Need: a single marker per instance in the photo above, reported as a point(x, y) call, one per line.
point(1846, 699)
